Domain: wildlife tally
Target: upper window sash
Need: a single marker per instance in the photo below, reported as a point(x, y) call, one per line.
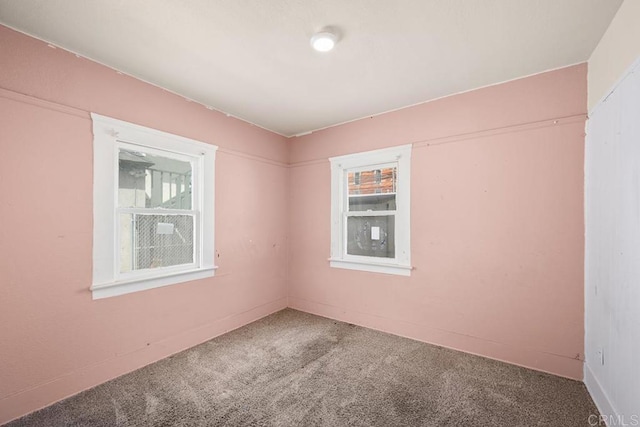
point(196, 162)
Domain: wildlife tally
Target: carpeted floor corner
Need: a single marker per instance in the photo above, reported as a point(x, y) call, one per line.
point(296, 369)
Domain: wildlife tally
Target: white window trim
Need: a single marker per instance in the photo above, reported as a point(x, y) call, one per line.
point(108, 135)
point(401, 264)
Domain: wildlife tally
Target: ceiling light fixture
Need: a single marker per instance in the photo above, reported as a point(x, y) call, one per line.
point(323, 41)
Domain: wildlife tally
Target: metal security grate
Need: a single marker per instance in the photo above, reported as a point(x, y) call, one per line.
point(162, 240)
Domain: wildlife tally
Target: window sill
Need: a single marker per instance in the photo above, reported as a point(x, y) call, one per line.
point(106, 290)
point(396, 269)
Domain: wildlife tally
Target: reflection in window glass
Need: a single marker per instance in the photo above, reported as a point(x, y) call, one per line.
point(373, 202)
point(151, 181)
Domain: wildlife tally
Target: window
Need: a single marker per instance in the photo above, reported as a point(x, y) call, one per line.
point(153, 208)
point(370, 211)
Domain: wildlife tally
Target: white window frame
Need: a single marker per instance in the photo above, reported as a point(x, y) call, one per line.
point(399, 156)
point(109, 135)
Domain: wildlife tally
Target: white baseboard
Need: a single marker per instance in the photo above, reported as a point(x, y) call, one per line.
point(598, 395)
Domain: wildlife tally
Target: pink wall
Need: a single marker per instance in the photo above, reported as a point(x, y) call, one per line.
point(54, 339)
point(497, 226)
point(497, 223)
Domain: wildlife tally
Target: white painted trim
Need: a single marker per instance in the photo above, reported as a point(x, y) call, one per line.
point(123, 287)
point(373, 157)
point(401, 264)
point(397, 269)
point(600, 398)
point(108, 135)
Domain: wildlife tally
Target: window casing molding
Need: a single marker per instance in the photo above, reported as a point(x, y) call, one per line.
point(109, 136)
point(398, 157)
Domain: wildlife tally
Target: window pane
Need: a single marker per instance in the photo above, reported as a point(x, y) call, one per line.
point(373, 190)
point(371, 236)
point(373, 202)
point(374, 181)
point(149, 181)
point(152, 241)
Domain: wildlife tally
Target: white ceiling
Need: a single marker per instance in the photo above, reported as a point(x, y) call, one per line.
point(252, 59)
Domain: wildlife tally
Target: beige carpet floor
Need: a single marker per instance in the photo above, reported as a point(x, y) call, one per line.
point(296, 369)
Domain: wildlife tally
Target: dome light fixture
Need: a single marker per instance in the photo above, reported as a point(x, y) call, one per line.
point(323, 41)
